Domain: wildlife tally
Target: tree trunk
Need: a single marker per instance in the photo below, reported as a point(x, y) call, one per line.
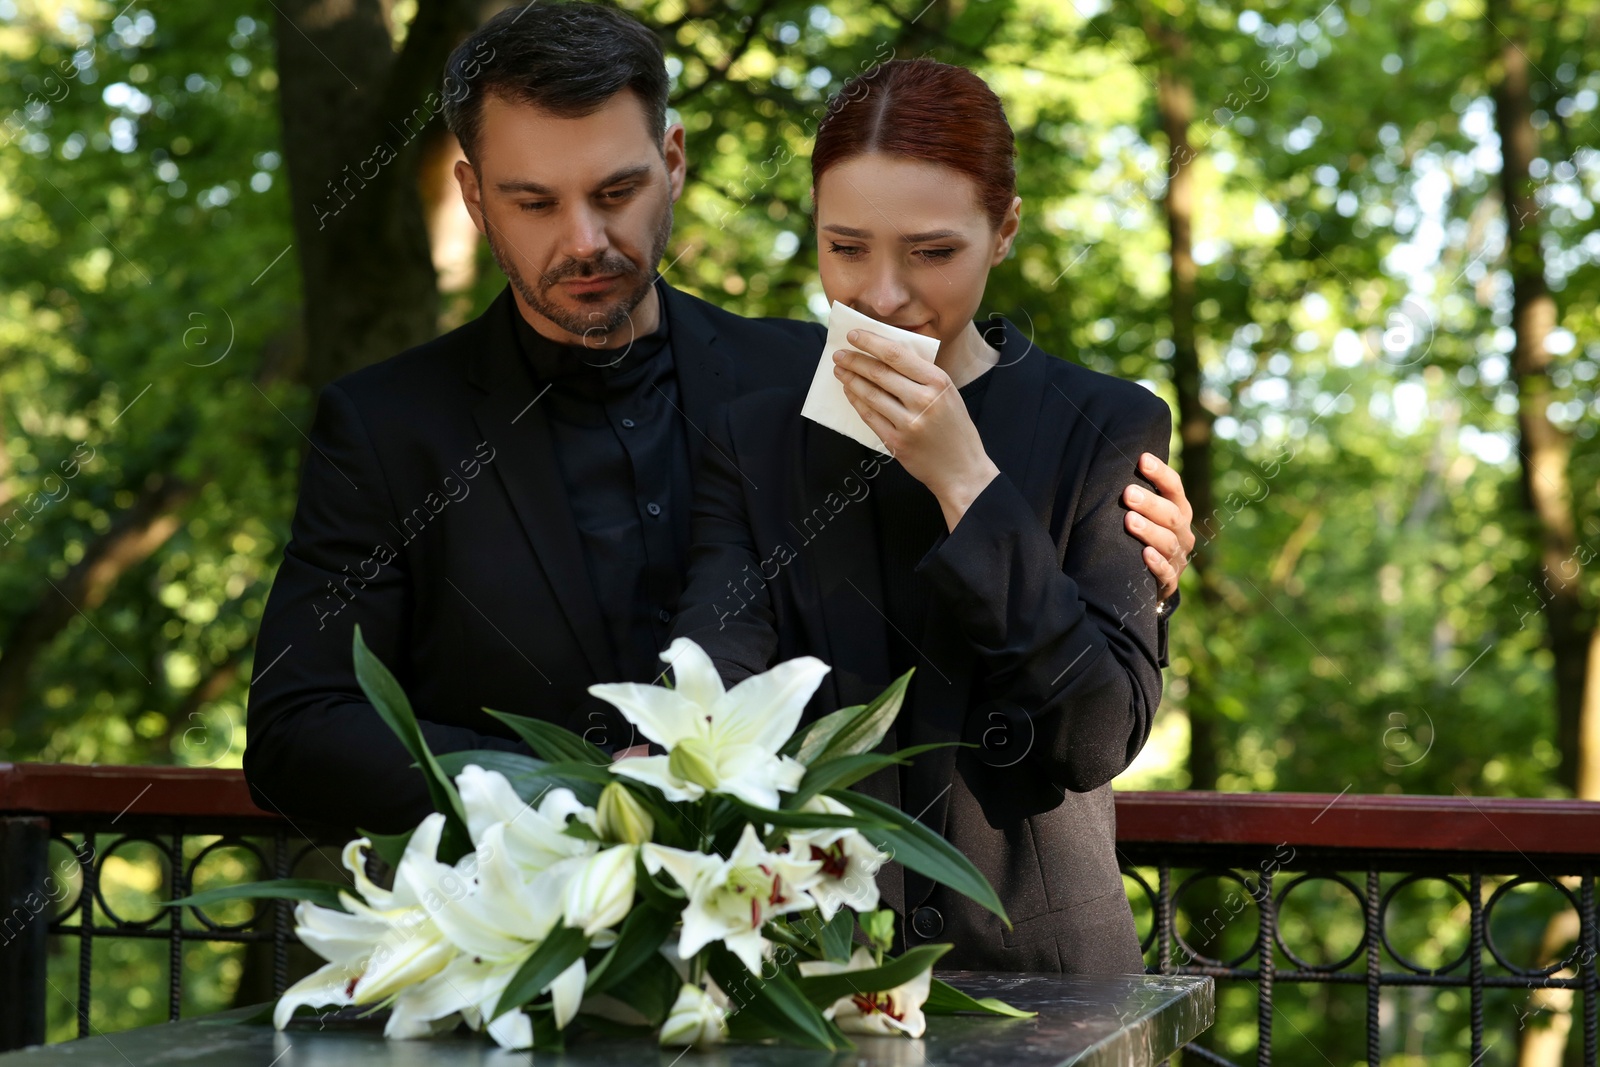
point(1544, 448)
point(1175, 101)
point(355, 117)
point(1545, 452)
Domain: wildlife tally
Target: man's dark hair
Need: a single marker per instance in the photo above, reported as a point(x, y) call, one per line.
point(567, 59)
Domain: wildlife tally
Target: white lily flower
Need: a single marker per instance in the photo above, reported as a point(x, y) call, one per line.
point(600, 893)
point(386, 942)
point(718, 741)
point(730, 899)
point(536, 836)
point(847, 863)
point(497, 925)
point(471, 987)
point(695, 1019)
point(893, 1011)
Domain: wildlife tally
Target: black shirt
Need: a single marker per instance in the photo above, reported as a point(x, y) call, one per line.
point(616, 422)
point(909, 524)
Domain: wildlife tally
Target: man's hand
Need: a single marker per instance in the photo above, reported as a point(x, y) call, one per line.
point(1161, 522)
point(631, 752)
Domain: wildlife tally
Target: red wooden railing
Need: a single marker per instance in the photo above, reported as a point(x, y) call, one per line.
point(1308, 820)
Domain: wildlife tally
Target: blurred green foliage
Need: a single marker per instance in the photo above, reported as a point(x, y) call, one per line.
point(1380, 629)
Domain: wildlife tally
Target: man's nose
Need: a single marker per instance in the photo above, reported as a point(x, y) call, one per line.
point(585, 235)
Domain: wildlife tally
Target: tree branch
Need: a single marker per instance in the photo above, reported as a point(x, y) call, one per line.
point(136, 534)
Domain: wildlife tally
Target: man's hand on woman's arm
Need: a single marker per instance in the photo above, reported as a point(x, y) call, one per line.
point(1161, 522)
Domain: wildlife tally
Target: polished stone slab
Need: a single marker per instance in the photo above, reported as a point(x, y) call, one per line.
point(1098, 1021)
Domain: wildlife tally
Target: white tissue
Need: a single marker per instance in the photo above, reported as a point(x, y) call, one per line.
point(826, 402)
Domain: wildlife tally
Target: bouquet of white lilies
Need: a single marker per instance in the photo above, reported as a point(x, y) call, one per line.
point(729, 883)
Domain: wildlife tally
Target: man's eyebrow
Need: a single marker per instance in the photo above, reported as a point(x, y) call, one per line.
point(523, 185)
point(907, 238)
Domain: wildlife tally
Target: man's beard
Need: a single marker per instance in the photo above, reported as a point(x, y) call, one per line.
point(608, 313)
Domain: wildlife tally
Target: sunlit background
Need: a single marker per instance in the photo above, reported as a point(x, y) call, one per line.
point(1287, 219)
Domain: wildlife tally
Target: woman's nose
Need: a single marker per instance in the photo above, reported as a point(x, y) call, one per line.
point(885, 294)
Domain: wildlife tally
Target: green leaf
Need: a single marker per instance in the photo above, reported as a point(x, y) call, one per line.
point(859, 731)
point(841, 772)
point(564, 947)
point(814, 735)
point(920, 849)
point(812, 820)
point(775, 1003)
point(642, 934)
point(318, 892)
point(390, 701)
point(389, 846)
point(824, 989)
point(835, 939)
point(530, 778)
point(554, 743)
point(653, 989)
point(945, 999)
point(663, 896)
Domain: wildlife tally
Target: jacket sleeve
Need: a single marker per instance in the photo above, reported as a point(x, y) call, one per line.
point(726, 608)
point(1069, 641)
point(317, 749)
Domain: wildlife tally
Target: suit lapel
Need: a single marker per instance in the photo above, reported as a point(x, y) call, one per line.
point(1009, 426)
point(838, 538)
point(835, 534)
point(706, 376)
point(512, 421)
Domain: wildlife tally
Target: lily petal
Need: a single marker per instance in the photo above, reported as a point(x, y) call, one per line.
point(694, 676)
point(764, 709)
point(653, 770)
point(325, 986)
point(566, 993)
point(661, 714)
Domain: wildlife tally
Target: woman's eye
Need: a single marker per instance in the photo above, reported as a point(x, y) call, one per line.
point(847, 251)
point(932, 254)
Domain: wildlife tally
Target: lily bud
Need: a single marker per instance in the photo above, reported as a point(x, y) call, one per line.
point(695, 1019)
point(691, 761)
point(622, 818)
point(601, 894)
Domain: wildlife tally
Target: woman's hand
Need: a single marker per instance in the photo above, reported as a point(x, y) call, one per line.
point(918, 413)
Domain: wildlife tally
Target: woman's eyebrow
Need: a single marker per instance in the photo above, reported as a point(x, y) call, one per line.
point(907, 238)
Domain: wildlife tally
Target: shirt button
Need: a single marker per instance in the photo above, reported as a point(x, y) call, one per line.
point(627, 424)
point(664, 615)
point(653, 508)
point(927, 922)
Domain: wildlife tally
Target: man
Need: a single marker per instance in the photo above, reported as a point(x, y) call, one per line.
point(505, 509)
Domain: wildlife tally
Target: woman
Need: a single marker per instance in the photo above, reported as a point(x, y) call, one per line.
point(990, 553)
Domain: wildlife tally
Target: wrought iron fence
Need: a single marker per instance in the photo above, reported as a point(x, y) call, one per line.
point(1179, 851)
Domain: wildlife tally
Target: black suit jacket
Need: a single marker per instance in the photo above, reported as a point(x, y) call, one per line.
point(432, 512)
point(1040, 646)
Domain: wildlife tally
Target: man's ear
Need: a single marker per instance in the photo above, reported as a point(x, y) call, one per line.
point(677, 159)
point(471, 193)
point(1008, 231)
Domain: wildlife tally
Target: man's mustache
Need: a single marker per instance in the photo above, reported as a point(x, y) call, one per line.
point(607, 265)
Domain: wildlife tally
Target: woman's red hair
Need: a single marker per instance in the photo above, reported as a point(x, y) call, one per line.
point(926, 110)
